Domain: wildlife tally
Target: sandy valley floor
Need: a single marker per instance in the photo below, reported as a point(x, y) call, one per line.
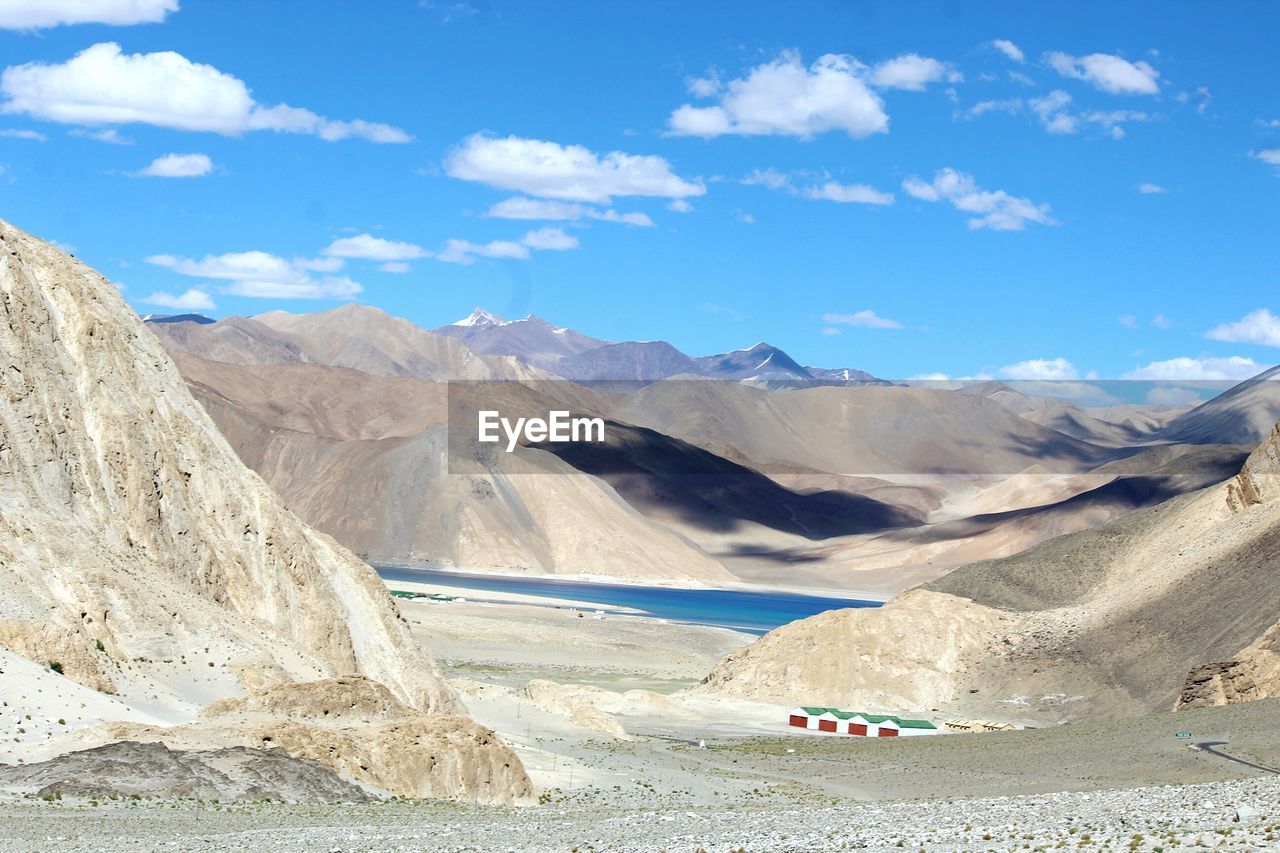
point(625, 761)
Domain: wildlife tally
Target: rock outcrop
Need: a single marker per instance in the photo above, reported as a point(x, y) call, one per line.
point(1259, 480)
point(131, 530)
point(1254, 672)
point(130, 769)
point(904, 656)
point(358, 729)
point(139, 555)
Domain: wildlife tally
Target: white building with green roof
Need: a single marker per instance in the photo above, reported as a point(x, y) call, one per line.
point(858, 723)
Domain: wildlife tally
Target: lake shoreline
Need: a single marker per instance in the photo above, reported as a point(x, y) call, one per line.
point(652, 583)
point(751, 611)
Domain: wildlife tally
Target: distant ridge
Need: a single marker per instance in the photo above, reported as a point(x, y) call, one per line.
point(573, 355)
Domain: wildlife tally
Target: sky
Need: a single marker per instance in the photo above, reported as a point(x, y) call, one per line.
point(923, 189)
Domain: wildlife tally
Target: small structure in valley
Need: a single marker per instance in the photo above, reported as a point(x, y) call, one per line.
point(836, 721)
point(978, 726)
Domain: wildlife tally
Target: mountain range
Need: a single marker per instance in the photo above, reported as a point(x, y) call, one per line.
point(573, 355)
point(723, 471)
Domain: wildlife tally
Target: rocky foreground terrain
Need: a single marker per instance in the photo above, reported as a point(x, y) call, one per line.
point(1238, 815)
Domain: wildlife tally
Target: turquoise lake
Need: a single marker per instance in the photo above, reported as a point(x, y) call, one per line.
point(753, 612)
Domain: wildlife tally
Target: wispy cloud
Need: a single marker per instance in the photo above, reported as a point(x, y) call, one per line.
point(520, 207)
point(866, 319)
point(543, 239)
point(1009, 49)
point(993, 209)
point(1108, 73)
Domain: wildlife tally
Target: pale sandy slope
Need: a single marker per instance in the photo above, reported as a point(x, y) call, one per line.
point(1093, 624)
point(138, 553)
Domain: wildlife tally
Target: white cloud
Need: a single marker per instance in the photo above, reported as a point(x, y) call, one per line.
point(465, 252)
point(263, 275)
point(704, 87)
point(550, 239)
point(1201, 95)
point(1269, 155)
point(178, 166)
point(996, 209)
point(190, 300)
point(520, 207)
point(783, 98)
point(395, 267)
point(1256, 327)
point(565, 172)
point(38, 14)
point(103, 86)
point(1151, 189)
point(1040, 369)
point(542, 239)
point(861, 320)
point(635, 217)
point(1009, 49)
point(1128, 321)
point(680, 205)
point(370, 248)
point(12, 133)
point(1053, 111)
point(830, 330)
point(743, 216)
point(771, 178)
point(828, 190)
point(911, 72)
point(1232, 367)
point(109, 136)
point(1108, 73)
point(1010, 105)
point(1161, 322)
point(845, 193)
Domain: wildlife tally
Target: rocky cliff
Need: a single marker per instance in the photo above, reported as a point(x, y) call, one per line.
point(137, 554)
point(1254, 672)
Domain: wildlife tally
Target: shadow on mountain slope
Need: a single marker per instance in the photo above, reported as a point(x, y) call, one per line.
point(659, 474)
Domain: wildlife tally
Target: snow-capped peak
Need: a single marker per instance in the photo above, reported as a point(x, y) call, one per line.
point(481, 317)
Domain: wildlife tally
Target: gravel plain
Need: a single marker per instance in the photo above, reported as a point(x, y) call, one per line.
point(1243, 814)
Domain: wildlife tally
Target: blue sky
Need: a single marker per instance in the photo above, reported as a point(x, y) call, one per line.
point(908, 188)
